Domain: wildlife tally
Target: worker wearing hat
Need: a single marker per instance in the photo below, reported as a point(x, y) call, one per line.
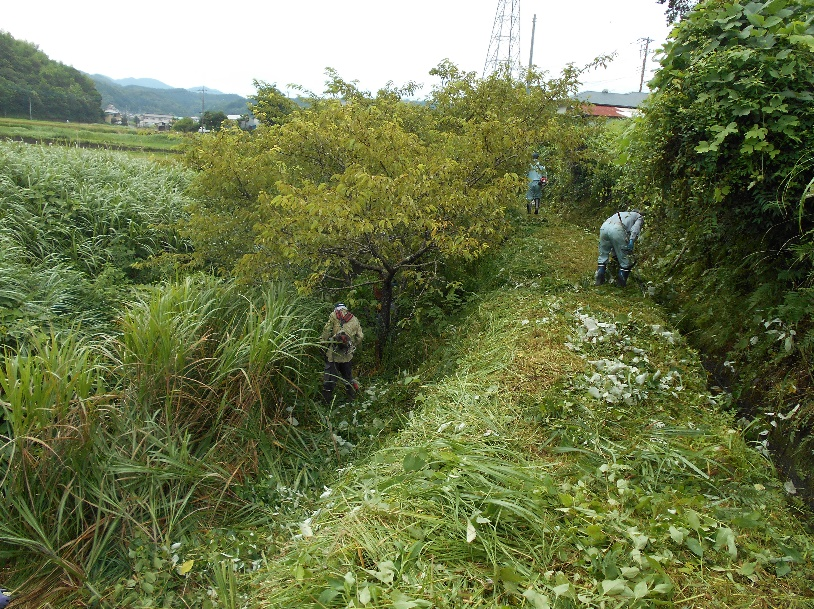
point(341, 336)
point(538, 177)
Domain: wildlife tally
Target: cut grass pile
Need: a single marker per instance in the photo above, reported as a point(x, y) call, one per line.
point(572, 458)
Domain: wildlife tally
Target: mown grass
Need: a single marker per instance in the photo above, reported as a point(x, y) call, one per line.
point(92, 135)
point(571, 457)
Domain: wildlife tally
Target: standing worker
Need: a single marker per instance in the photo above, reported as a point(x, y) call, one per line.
point(538, 177)
point(342, 335)
point(618, 233)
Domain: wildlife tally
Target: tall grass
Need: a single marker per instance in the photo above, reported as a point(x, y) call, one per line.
point(114, 451)
point(207, 354)
point(77, 229)
point(43, 381)
point(33, 292)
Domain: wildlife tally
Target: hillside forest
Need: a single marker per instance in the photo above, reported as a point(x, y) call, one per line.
point(176, 102)
point(522, 437)
point(34, 86)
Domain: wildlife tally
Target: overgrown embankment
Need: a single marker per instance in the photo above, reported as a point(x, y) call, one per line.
point(563, 452)
point(721, 159)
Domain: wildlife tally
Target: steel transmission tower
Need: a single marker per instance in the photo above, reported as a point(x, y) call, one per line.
point(504, 46)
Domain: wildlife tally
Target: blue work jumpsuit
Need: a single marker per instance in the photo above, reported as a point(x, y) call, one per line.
point(616, 233)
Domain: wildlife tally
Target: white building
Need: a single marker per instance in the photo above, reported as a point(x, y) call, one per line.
point(161, 122)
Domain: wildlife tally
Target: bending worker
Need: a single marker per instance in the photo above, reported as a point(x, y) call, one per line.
point(618, 233)
point(342, 334)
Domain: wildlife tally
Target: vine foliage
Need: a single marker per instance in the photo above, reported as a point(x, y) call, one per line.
point(725, 137)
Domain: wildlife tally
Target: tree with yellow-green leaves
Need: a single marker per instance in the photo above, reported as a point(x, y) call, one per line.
point(360, 190)
point(270, 106)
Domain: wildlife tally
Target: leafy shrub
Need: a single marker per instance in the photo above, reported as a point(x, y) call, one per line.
point(729, 121)
point(723, 153)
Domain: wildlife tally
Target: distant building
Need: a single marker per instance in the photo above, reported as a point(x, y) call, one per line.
point(611, 105)
point(160, 122)
point(112, 115)
point(247, 122)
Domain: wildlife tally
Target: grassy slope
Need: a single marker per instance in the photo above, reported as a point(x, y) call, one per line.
point(571, 457)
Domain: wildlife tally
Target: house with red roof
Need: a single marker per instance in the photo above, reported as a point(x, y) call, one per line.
point(611, 105)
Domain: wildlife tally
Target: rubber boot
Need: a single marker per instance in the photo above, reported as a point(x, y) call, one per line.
point(599, 276)
point(621, 278)
point(351, 389)
point(327, 395)
point(528, 207)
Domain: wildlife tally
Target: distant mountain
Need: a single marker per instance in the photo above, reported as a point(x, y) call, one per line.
point(208, 90)
point(163, 99)
point(141, 82)
point(127, 82)
point(34, 86)
point(151, 83)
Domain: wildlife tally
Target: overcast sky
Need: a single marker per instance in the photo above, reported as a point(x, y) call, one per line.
point(226, 46)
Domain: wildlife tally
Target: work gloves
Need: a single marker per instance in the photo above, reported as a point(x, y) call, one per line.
point(629, 247)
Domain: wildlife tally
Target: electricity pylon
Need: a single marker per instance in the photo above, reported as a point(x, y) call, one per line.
point(504, 46)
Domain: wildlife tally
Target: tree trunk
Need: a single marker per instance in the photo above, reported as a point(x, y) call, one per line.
point(385, 307)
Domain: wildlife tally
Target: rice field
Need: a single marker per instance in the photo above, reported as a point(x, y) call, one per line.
point(145, 142)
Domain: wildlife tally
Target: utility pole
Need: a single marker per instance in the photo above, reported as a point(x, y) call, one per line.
point(531, 50)
point(504, 46)
point(203, 94)
point(531, 53)
point(646, 42)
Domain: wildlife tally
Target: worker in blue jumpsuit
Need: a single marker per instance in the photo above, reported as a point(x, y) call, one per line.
point(538, 177)
point(618, 233)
